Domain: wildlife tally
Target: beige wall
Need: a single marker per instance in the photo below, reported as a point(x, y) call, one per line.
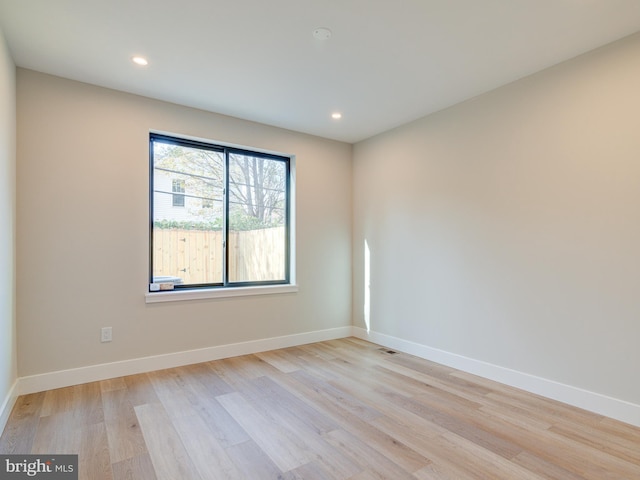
point(83, 231)
point(507, 229)
point(8, 358)
point(504, 229)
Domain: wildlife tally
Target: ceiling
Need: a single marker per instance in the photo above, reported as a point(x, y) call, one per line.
point(386, 63)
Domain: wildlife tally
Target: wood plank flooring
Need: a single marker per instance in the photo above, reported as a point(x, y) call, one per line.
point(342, 409)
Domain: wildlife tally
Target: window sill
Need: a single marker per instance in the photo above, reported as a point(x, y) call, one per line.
point(203, 294)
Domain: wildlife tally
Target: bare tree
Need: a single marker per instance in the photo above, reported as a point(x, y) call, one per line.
point(257, 185)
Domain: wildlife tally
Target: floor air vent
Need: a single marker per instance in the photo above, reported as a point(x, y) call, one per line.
point(387, 351)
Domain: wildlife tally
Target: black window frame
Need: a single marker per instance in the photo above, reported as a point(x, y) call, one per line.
point(226, 150)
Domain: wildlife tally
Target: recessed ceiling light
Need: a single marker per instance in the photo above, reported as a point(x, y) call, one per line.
point(322, 33)
point(140, 60)
point(336, 115)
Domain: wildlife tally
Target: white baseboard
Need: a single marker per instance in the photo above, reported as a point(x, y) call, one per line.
point(594, 402)
point(76, 376)
point(7, 405)
point(601, 404)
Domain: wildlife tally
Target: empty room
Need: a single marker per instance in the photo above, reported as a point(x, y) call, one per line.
point(319, 239)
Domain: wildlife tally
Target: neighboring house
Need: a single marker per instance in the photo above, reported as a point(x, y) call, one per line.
point(174, 201)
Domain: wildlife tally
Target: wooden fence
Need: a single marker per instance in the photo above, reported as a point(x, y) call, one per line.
point(196, 256)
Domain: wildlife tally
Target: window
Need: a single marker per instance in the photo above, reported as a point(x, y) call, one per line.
point(234, 225)
point(177, 188)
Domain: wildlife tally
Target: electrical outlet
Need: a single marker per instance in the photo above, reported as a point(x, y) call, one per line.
point(105, 334)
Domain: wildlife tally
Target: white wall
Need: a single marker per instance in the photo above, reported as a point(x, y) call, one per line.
point(8, 356)
point(507, 229)
point(83, 231)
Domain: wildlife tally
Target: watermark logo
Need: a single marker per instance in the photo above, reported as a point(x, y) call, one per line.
point(50, 467)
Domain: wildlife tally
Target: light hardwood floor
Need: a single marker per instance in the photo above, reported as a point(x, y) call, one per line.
point(343, 409)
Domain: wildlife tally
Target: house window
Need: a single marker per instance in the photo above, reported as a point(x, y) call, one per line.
point(234, 227)
point(177, 188)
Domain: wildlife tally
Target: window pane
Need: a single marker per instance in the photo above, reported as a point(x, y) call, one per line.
point(188, 206)
point(257, 219)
